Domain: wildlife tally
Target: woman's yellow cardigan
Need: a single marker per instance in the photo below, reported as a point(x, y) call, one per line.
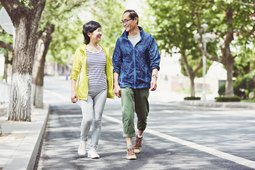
point(79, 73)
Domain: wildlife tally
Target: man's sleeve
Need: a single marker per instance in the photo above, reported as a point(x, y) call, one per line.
point(117, 58)
point(154, 55)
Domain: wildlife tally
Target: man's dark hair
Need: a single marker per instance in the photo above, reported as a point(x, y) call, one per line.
point(90, 26)
point(132, 14)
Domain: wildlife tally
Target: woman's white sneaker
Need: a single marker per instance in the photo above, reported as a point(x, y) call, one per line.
point(82, 149)
point(92, 153)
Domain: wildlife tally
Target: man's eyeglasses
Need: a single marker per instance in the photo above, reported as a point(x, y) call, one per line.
point(125, 21)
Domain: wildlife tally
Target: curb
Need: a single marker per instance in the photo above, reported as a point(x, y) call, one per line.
point(33, 157)
point(219, 104)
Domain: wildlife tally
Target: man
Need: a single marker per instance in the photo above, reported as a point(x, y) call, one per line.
point(136, 64)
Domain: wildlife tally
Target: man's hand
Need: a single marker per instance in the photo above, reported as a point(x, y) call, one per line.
point(117, 90)
point(154, 82)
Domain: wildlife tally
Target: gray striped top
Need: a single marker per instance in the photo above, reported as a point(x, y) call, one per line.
point(96, 72)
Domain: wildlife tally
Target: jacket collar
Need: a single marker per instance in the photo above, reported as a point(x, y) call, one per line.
point(125, 33)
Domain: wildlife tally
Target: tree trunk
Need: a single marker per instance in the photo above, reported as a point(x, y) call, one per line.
point(228, 60)
point(229, 90)
point(20, 100)
point(25, 20)
point(38, 68)
point(192, 86)
point(190, 72)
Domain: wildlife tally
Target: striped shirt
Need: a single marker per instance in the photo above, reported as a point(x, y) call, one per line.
point(96, 72)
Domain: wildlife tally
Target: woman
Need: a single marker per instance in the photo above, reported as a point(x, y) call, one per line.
point(91, 83)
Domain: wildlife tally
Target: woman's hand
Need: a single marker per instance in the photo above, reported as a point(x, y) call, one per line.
point(74, 98)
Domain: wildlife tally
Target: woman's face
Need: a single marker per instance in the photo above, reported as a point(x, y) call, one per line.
point(96, 35)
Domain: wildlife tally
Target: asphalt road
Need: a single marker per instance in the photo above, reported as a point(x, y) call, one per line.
point(177, 137)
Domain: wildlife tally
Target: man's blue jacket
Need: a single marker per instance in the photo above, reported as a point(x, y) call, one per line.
point(135, 64)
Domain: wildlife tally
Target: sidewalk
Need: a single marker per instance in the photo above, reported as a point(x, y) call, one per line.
point(20, 142)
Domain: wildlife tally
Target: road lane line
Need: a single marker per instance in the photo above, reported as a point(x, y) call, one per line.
point(220, 154)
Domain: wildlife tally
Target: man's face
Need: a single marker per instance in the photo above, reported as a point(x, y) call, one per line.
point(128, 23)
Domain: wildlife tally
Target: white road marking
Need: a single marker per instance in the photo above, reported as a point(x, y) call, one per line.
point(223, 155)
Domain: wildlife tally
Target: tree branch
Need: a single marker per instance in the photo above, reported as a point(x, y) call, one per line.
point(6, 46)
point(198, 66)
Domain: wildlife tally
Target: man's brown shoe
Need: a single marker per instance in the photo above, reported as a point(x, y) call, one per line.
point(138, 144)
point(130, 154)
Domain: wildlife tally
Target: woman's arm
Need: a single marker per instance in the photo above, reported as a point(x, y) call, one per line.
point(74, 98)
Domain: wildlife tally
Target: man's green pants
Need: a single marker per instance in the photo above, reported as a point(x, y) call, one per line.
point(134, 100)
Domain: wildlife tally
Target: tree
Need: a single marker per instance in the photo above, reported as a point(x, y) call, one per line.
point(54, 9)
point(232, 22)
point(174, 23)
point(42, 47)
point(25, 16)
point(228, 19)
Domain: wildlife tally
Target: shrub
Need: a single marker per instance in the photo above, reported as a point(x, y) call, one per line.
point(244, 85)
point(221, 90)
point(192, 98)
point(228, 99)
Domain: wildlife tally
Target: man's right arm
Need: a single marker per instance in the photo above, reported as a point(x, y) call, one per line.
point(117, 90)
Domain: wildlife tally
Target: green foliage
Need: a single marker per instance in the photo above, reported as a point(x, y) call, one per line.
point(69, 17)
point(65, 40)
point(172, 25)
point(68, 26)
point(177, 20)
point(244, 60)
point(110, 21)
point(175, 24)
point(244, 85)
point(6, 38)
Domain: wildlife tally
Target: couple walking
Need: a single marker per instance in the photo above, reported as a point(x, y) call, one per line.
point(134, 73)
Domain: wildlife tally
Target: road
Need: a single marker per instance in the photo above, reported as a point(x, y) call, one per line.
point(178, 136)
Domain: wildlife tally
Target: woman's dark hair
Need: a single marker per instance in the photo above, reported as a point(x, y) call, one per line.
point(132, 14)
point(90, 26)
